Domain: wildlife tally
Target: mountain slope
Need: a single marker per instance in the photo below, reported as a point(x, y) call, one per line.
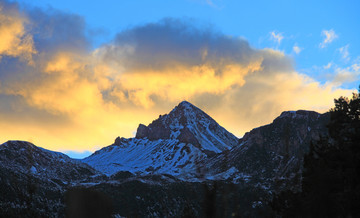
point(33, 180)
point(272, 155)
point(24, 157)
point(172, 144)
point(168, 156)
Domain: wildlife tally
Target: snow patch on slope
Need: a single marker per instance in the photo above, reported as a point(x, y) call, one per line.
point(142, 157)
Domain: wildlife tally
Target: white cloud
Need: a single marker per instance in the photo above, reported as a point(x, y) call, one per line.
point(346, 75)
point(356, 67)
point(329, 35)
point(277, 37)
point(328, 66)
point(297, 49)
point(344, 51)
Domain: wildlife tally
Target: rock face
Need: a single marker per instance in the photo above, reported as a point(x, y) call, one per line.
point(272, 155)
point(186, 136)
point(142, 132)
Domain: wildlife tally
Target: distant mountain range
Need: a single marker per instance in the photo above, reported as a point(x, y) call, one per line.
point(183, 150)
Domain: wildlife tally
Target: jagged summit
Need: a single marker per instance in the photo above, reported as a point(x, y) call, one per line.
point(189, 124)
point(186, 106)
point(173, 144)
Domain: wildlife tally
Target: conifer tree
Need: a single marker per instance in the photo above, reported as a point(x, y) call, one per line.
point(331, 176)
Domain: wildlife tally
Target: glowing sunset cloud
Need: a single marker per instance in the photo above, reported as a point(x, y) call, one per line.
point(60, 93)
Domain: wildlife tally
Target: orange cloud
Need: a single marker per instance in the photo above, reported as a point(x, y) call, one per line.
point(15, 41)
point(182, 82)
point(265, 95)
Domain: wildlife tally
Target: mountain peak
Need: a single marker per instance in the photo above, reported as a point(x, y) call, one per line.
point(174, 143)
point(185, 104)
point(189, 124)
point(186, 107)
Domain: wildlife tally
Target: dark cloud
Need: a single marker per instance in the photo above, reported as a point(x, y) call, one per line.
point(9, 5)
point(15, 110)
point(54, 30)
point(173, 41)
point(275, 61)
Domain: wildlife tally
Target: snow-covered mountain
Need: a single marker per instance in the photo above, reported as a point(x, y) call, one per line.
point(189, 124)
point(172, 144)
point(190, 145)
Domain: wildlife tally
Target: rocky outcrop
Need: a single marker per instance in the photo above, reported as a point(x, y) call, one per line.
point(156, 130)
point(142, 131)
point(187, 137)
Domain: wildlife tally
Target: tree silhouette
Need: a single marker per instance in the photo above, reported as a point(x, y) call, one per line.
point(331, 176)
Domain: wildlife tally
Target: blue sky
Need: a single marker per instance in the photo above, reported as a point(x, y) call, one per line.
point(74, 75)
point(298, 23)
